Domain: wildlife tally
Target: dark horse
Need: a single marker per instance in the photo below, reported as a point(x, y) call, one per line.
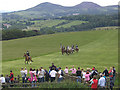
point(27, 58)
point(77, 49)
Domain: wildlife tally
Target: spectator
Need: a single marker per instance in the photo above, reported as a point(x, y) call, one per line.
point(111, 83)
point(43, 72)
point(2, 79)
point(31, 74)
point(53, 74)
point(94, 72)
point(111, 72)
point(101, 82)
point(83, 75)
point(34, 78)
point(78, 73)
point(23, 75)
point(60, 75)
point(40, 75)
point(11, 76)
point(7, 79)
point(25, 71)
point(87, 77)
point(105, 72)
point(94, 83)
point(46, 76)
point(66, 70)
point(114, 71)
point(73, 70)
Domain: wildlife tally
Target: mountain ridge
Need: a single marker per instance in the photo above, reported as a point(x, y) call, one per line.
point(47, 9)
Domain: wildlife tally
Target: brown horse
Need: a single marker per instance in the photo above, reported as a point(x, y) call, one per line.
point(63, 50)
point(27, 58)
point(77, 49)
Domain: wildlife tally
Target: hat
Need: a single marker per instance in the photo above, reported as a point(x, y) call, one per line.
point(59, 67)
point(93, 68)
point(10, 70)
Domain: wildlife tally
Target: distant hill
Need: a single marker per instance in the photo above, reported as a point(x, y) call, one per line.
point(50, 10)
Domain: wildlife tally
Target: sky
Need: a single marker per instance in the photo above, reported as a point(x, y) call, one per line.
point(15, 5)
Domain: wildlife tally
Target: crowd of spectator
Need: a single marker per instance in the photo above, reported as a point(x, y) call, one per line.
point(89, 76)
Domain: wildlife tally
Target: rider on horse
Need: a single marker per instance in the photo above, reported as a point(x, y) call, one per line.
point(28, 54)
point(76, 46)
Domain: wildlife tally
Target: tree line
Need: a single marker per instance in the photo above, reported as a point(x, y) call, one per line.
point(94, 21)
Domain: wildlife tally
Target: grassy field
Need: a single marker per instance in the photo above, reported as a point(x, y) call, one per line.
point(97, 48)
point(50, 23)
point(72, 23)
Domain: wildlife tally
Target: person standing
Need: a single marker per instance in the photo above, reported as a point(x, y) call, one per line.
point(94, 83)
point(66, 70)
point(78, 73)
point(114, 71)
point(73, 70)
point(7, 79)
point(23, 75)
point(40, 75)
point(25, 71)
point(101, 82)
point(87, 77)
point(53, 74)
point(60, 75)
point(31, 75)
point(46, 76)
point(105, 72)
point(2, 80)
point(11, 76)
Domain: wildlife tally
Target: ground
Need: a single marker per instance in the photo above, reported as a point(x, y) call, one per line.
point(98, 48)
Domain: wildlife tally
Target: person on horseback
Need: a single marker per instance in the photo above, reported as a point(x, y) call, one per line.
point(28, 54)
point(72, 47)
point(76, 46)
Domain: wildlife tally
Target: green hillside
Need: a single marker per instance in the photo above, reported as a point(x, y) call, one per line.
point(97, 48)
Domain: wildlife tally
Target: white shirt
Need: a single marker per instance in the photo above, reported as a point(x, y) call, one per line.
point(53, 73)
point(83, 74)
point(60, 74)
point(22, 73)
point(26, 72)
point(2, 79)
point(101, 82)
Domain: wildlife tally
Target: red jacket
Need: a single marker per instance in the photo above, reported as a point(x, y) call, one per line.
point(94, 85)
point(11, 76)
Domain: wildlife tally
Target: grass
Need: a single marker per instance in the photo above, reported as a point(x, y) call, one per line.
point(72, 23)
point(97, 48)
point(45, 23)
point(50, 23)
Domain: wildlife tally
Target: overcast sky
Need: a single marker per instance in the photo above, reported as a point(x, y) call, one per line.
point(14, 5)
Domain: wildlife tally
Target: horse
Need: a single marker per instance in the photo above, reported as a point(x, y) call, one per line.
point(27, 58)
point(77, 49)
point(69, 51)
point(63, 50)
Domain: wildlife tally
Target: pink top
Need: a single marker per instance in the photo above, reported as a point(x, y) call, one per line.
point(87, 78)
point(66, 70)
point(34, 78)
point(31, 74)
point(73, 70)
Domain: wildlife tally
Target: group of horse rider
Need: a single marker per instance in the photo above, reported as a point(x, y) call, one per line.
point(70, 48)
